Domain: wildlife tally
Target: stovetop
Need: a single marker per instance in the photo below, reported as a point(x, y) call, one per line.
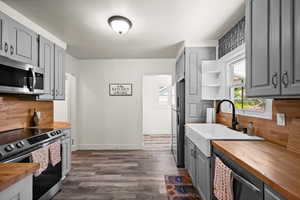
point(16, 141)
point(20, 134)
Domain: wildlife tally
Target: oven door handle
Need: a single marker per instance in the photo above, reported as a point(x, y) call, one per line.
point(27, 154)
point(244, 181)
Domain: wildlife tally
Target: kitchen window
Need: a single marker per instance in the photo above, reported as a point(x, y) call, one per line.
point(235, 64)
point(238, 90)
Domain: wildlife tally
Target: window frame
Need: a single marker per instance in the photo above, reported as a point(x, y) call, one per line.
point(228, 61)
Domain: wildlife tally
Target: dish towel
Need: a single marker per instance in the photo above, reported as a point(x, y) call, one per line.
point(223, 181)
point(41, 156)
point(55, 156)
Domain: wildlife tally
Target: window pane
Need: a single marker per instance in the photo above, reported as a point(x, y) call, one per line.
point(238, 97)
point(239, 72)
point(253, 103)
point(163, 96)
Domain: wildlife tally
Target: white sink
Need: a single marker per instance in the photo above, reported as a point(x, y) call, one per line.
point(202, 135)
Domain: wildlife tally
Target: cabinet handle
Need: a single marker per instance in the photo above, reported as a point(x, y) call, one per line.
point(11, 50)
point(5, 47)
point(275, 80)
point(192, 152)
point(285, 79)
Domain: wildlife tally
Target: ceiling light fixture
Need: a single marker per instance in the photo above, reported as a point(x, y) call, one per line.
point(119, 24)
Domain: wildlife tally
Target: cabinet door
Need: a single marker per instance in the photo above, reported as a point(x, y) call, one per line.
point(69, 155)
point(203, 175)
point(191, 168)
point(195, 107)
point(290, 73)
point(4, 45)
point(59, 70)
point(272, 195)
point(46, 62)
point(21, 190)
point(23, 43)
point(262, 48)
point(186, 153)
point(64, 157)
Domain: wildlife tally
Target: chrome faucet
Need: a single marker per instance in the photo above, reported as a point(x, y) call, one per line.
point(234, 118)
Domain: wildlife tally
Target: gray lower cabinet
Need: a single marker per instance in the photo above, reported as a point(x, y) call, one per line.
point(203, 175)
point(46, 62)
point(66, 152)
point(272, 46)
point(186, 153)
point(23, 43)
point(195, 107)
point(59, 71)
point(270, 194)
point(21, 190)
point(198, 167)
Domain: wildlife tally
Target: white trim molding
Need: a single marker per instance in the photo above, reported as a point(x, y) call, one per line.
point(14, 14)
point(226, 61)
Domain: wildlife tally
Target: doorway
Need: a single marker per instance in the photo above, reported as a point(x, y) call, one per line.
point(157, 110)
point(65, 110)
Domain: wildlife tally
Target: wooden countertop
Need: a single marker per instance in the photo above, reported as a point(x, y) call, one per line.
point(54, 125)
point(273, 164)
point(10, 173)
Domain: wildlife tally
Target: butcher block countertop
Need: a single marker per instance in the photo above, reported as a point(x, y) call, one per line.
point(10, 173)
point(54, 125)
point(273, 164)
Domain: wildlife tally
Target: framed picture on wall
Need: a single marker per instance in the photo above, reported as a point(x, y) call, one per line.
point(120, 89)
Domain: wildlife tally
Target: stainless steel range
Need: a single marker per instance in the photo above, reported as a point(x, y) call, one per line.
point(17, 146)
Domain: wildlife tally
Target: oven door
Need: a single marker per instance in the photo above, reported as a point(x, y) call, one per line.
point(48, 182)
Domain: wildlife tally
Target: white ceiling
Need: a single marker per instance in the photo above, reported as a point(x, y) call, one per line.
point(159, 26)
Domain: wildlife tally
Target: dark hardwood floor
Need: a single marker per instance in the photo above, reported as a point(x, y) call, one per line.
point(110, 175)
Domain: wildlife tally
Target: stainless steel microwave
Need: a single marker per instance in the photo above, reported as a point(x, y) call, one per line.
point(19, 78)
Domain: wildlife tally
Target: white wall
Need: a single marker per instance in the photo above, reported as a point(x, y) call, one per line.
point(156, 117)
point(106, 122)
point(67, 110)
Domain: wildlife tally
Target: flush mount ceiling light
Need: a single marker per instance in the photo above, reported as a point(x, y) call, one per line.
point(119, 24)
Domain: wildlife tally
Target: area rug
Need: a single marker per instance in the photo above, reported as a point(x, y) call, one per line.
point(180, 188)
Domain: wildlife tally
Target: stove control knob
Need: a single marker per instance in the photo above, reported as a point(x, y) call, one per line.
point(20, 144)
point(9, 148)
point(52, 133)
point(58, 132)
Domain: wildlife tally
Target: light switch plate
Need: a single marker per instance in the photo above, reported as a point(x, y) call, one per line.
point(280, 118)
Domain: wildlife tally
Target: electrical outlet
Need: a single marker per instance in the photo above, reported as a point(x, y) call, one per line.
point(280, 118)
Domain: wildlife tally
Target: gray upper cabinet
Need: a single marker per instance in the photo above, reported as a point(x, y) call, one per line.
point(4, 45)
point(46, 62)
point(59, 71)
point(195, 107)
point(290, 47)
point(263, 47)
point(272, 46)
point(23, 43)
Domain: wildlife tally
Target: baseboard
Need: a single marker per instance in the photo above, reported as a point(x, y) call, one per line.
point(109, 147)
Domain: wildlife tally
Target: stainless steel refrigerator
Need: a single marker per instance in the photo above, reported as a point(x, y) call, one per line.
point(178, 121)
